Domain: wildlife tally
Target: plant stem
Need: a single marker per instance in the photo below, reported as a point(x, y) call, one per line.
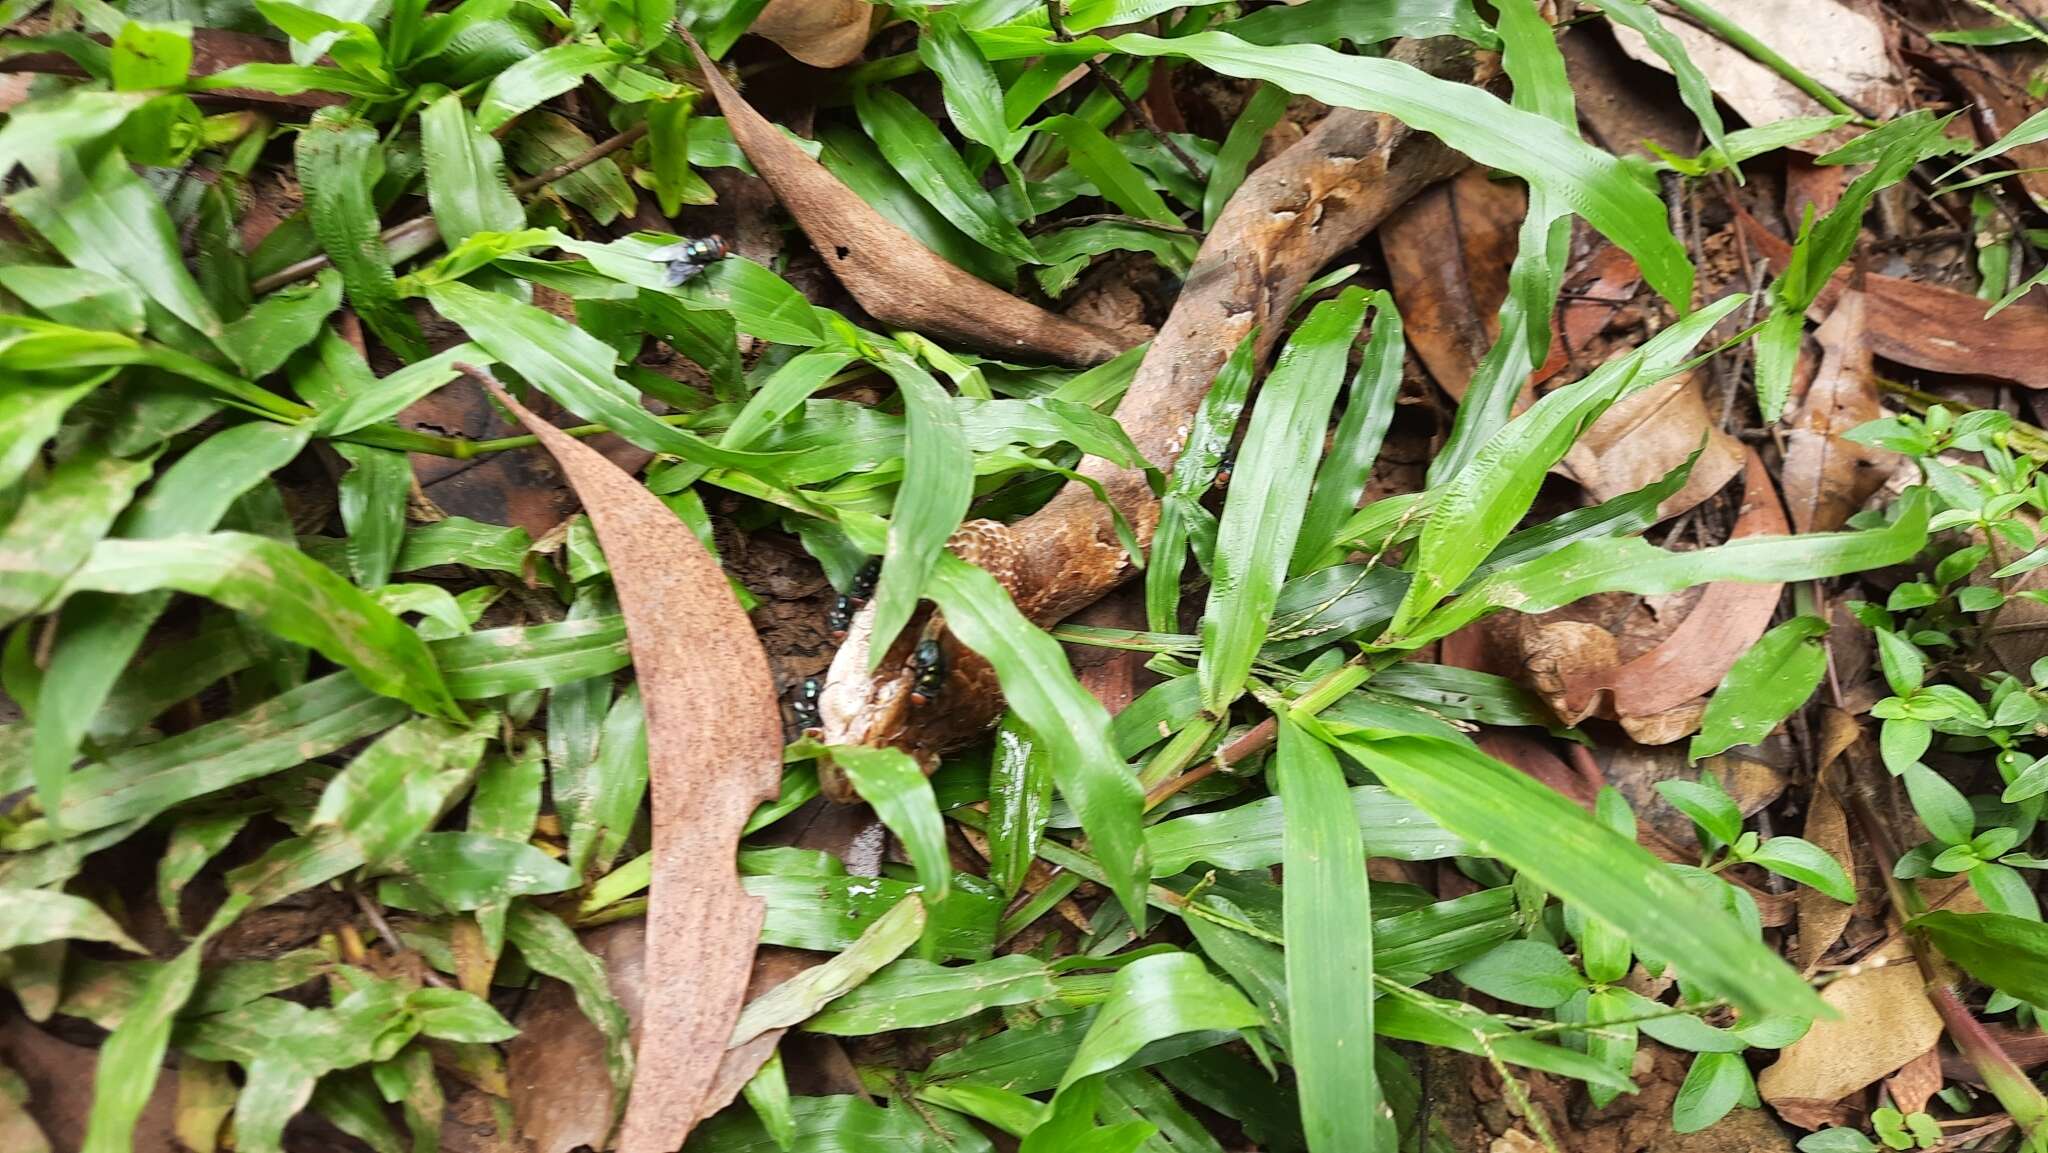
point(1138, 111)
point(1740, 39)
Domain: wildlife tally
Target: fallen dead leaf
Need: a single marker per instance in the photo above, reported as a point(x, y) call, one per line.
point(1613, 95)
point(1885, 1021)
point(900, 282)
point(59, 1078)
point(1447, 252)
point(714, 746)
point(821, 33)
point(1648, 434)
point(1582, 675)
point(1580, 782)
point(1835, 44)
point(1930, 327)
point(1912, 1086)
point(1826, 476)
point(1822, 918)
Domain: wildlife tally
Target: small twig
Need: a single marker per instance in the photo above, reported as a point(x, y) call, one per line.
point(1137, 111)
point(375, 916)
point(407, 239)
point(1256, 740)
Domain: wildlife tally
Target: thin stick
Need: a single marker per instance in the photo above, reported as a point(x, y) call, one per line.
point(410, 238)
point(1138, 111)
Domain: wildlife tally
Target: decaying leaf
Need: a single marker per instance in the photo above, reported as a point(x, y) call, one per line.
point(1838, 46)
point(1687, 664)
point(1885, 1021)
point(1930, 327)
point(1827, 476)
point(1448, 250)
point(1649, 433)
point(1822, 918)
point(821, 33)
point(897, 280)
point(714, 744)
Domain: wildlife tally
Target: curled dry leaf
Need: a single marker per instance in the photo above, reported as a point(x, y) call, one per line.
point(1930, 327)
point(821, 33)
point(1846, 51)
point(1884, 1022)
point(1828, 477)
point(1687, 664)
point(900, 282)
point(714, 749)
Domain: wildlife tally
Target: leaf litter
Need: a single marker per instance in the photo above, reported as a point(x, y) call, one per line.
point(335, 805)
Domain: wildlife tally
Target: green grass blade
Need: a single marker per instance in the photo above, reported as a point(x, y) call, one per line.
point(339, 163)
point(1507, 814)
point(901, 795)
point(938, 482)
point(1153, 998)
point(803, 995)
point(1234, 159)
point(53, 529)
point(1072, 725)
point(1329, 950)
point(1019, 804)
point(1763, 687)
point(1193, 473)
point(1693, 86)
point(465, 175)
point(974, 99)
point(288, 594)
point(925, 158)
point(373, 496)
point(1269, 493)
point(1096, 157)
point(1368, 411)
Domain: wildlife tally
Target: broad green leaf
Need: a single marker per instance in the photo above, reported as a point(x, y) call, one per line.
point(465, 175)
point(543, 140)
point(828, 913)
point(540, 77)
point(340, 384)
point(32, 916)
point(843, 1125)
point(468, 870)
point(938, 482)
point(914, 994)
point(394, 790)
point(77, 296)
point(286, 593)
point(799, 998)
point(1764, 686)
point(1329, 949)
point(494, 662)
point(373, 496)
point(40, 131)
point(1193, 473)
point(922, 155)
point(1693, 86)
point(1633, 565)
point(281, 324)
point(1806, 863)
point(2008, 953)
point(1481, 503)
point(30, 414)
point(292, 80)
point(894, 785)
point(1268, 494)
point(974, 100)
point(104, 218)
point(1709, 807)
point(1322, 21)
point(1596, 185)
point(53, 529)
point(1019, 804)
point(1941, 806)
point(339, 164)
point(668, 169)
point(1096, 157)
point(1267, 104)
point(551, 947)
point(599, 799)
point(193, 841)
point(1153, 998)
point(1040, 688)
point(1716, 1083)
point(1524, 972)
point(1368, 411)
point(1507, 814)
point(1251, 835)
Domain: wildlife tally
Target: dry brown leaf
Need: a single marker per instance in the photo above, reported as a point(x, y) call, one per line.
point(1930, 327)
point(1829, 41)
point(821, 33)
point(1727, 619)
point(900, 282)
point(1614, 97)
point(1579, 782)
point(1826, 476)
point(1912, 1086)
point(1885, 1021)
point(1447, 252)
point(1646, 435)
point(1821, 917)
point(714, 752)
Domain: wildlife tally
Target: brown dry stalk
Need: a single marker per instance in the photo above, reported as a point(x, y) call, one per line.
point(714, 752)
